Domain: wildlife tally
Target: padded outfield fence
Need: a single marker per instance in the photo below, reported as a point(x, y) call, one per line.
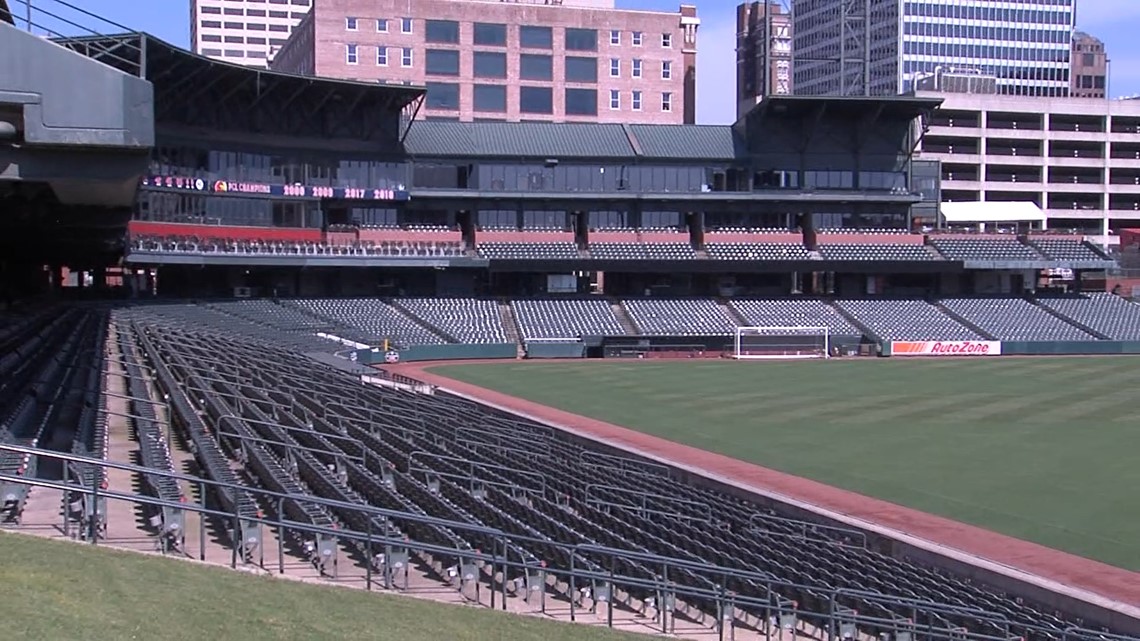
point(1007, 348)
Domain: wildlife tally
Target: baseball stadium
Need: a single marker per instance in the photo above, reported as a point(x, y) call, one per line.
point(588, 380)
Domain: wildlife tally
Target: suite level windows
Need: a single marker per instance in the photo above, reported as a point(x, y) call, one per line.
point(490, 34)
point(536, 37)
point(581, 39)
point(350, 24)
point(441, 31)
point(351, 54)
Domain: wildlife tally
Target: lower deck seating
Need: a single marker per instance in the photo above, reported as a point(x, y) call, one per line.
point(467, 320)
point(1014, 319)
point(904, 320)
point(680, 317)
point(553, 319)
point(984, 249)
point(529, 251)
point(1111, 315)
point(794, 313)
point(372, 315)
point(1068, 249)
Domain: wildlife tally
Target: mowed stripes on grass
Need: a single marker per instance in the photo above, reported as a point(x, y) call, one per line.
point(1042, 449)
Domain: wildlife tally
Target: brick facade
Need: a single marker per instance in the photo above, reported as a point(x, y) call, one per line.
point(322, 43)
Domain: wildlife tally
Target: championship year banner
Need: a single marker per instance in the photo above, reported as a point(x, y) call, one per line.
point(201, 185)
point(945, 348)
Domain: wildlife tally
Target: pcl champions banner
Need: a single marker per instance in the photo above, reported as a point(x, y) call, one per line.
point(945, 348)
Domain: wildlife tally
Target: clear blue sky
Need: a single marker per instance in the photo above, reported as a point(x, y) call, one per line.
point(1116, 22)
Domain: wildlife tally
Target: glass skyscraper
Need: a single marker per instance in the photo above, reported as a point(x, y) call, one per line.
point(1025, 44)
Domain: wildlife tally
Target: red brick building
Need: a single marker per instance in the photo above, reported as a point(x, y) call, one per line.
point(574, 61)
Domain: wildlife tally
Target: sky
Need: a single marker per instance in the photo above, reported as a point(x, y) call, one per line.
point(1113, 21)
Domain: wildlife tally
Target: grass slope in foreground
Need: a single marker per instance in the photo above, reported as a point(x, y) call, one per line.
point(1042, 449)
point(59, 591)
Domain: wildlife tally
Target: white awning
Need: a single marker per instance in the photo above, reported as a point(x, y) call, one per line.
point(993, 212)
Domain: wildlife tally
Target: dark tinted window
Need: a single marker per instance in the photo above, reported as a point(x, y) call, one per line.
point(580, 69)
point(490, 64)
point(491, 98)
point(581, 40)
point(442, 31)
point(536, 67)
point(442, 62)
point(536, 37)
point(536, 100)
point(442, 95)
point(490, 35)
point(581, 102)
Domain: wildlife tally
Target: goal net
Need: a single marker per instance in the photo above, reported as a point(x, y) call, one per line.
point(781, 342)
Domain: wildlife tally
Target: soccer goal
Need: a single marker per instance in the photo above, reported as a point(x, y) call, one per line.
point(782, 342)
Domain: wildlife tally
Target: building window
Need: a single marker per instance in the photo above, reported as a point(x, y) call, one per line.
point(666, 70)
point(615, 68)
point(581, 69)
point(581, 39)
point(636, 68)
point(615, 99)
point(536, 67)
point(490, 98)
point(406, 57)
point(490, 64)
point(581, 102)
point(441, 31)
point(667, 102)
point(490, 35)
point(536, 37)
point(536, 100)
point(615, 37)
point(442, 95)
point(381, 25)
point(382, 56)
point(405, 25)
point(441, 62)
point(637, 38)
point(636, 102)
point(350, 24)
point(350, 54)
point(667, 40)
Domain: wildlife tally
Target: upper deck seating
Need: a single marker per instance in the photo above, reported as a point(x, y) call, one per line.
point(1068, 249)
point(756, 251)
point(984, 249)
point(529, 251)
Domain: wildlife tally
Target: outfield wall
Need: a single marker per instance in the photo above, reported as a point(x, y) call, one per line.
point(1007, 348)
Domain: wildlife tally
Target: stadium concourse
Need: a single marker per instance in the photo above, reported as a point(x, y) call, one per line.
point(192, 309)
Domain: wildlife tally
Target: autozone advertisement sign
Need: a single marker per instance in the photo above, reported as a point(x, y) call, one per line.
point(945, 348)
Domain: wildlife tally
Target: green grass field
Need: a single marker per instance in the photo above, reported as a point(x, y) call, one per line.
point(58, 591)
point(1042, 449)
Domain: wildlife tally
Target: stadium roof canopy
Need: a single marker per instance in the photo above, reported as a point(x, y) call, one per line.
point(538, 140)
point(907, 107)
point(992, 212)
point(196, 91)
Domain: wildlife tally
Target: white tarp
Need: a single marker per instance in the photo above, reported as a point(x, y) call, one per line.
point(982, 212)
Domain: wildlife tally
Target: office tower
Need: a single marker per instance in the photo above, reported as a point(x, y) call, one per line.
point(245, 32)
point(1024, 44)
point(763, 53)
point(573, 61)
point(1089, 78)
